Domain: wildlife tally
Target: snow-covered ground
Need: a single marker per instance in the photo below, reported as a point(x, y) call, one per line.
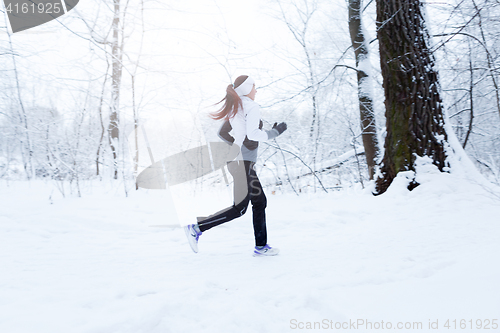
point(101, 263)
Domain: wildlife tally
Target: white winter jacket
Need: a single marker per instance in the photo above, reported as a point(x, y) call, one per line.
point(246, 123)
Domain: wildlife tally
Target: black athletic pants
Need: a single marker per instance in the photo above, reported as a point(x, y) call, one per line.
point(247, 188)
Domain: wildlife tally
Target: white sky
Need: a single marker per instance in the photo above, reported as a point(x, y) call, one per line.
point(213, 39)
point(189, 51)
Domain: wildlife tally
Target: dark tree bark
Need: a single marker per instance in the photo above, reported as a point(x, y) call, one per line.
point(413, 106)
point(369, 130)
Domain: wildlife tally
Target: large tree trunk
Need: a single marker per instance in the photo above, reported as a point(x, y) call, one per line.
point(413, 105)
point(368, 128)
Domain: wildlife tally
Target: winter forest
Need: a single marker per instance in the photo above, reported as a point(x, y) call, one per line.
point(382, 194)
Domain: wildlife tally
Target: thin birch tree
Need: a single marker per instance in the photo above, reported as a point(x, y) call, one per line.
point(367, 115)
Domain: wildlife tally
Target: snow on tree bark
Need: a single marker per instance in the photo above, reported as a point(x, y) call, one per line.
point(414, 116)
point(369, 130)
point(114, 120)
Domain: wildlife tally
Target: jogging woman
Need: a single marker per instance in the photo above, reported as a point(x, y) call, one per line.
point(242, 115)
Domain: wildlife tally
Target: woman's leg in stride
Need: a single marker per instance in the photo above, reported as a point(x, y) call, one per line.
point(259, 204)
point(241, 192)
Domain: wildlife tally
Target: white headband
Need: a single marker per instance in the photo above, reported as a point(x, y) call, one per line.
point(246, 87)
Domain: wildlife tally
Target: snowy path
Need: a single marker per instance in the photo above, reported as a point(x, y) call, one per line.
point(95, 264)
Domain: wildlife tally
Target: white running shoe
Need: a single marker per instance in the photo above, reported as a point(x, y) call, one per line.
point(265, 251)
point(192, 236)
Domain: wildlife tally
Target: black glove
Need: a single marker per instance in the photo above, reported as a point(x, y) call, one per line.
point(261, 124)
point(281, 127)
